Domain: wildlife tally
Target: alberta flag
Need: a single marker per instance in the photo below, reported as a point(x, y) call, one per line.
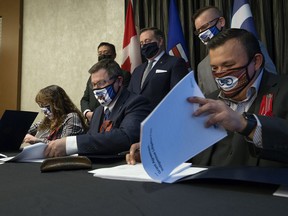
point(176, 45)
point(242, 17)
point(131, 44)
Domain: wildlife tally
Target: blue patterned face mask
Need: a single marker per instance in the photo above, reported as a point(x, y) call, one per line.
point(47, 111)
point(105, 95)
point(209, 33)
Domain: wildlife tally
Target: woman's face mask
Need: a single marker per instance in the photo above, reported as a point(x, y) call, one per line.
point(105, 95)
point(47, 111)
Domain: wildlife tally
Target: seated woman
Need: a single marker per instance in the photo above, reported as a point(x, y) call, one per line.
point(62, 117)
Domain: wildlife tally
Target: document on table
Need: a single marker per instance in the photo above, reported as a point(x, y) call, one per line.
point(137, 173)
point(32, 153)
point(171, 135)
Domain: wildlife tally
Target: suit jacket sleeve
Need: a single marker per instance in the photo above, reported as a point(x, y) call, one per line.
point(179, 70)
point(275, 128)
point(126, 128)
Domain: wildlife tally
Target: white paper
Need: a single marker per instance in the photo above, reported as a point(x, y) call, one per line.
point(170, 135)
point(137, 173)
point(282, 191)
point(32, 153)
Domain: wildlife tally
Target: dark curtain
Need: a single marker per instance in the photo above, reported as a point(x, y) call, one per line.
point(270, 19)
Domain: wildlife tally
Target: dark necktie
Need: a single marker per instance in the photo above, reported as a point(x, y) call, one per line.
point(106, 114)
point(107, 124)
point(146, 72)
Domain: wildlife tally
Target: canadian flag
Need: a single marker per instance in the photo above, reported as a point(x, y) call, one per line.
point(131, 44)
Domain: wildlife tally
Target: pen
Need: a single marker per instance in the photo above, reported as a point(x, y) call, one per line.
point(126, 152)
point(123, 153)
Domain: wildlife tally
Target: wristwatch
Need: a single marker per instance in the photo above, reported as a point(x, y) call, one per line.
point(251, 123)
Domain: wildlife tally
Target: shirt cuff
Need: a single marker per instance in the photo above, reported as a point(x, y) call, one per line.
point(71, 145)
point(86, 111)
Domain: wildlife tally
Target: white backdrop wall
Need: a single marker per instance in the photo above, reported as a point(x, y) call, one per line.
point(60, 39)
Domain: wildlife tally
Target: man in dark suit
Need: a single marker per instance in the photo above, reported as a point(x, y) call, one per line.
point(88, 101)
point(155, 80)
point(251, 105)
point(115, 124)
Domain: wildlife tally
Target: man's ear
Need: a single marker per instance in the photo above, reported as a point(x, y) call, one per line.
point(258, 59)
point(120, 78)
point(222, 22)
point(161, 42)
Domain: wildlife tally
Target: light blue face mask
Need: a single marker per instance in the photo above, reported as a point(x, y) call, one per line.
point(209, 33)
point(105, 95)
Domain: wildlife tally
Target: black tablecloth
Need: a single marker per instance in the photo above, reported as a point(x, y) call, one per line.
point(27, 191)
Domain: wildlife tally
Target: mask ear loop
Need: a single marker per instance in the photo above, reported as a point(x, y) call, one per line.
point(247, 74)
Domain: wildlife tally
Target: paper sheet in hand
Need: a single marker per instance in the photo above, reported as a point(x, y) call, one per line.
point(170, 135)
point(32, 153)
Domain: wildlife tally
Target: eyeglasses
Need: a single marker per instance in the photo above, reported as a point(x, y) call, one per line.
point(101, 83)
point(206, 26)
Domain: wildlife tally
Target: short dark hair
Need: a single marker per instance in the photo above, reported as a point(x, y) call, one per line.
point(157, 32)
point(203, 9)
point(246, 38)
point(110, 65)
point(111, 46)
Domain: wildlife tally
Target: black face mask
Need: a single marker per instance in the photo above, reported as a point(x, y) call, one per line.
point(101, 57)
point(149, 50)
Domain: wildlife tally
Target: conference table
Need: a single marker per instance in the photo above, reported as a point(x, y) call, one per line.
point(25, 190)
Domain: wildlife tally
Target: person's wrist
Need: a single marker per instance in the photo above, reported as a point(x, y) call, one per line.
point(86, 112)
point(251, 123)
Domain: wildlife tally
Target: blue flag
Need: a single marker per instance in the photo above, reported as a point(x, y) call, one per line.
point(176, 45)
point(242, 17)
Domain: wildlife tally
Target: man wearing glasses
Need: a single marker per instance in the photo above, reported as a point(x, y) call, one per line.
point(208, 22)
point(88, 101)
point(115, 125)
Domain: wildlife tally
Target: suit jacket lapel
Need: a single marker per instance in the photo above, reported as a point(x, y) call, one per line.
point(96, 121)
point(268, 85)
point(158, 64)
point(117, 109)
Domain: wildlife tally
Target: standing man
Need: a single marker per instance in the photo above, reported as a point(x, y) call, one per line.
point(88, 101)
point(254, 111)
point(156, 77)
point(208, 22)
point(115, 125)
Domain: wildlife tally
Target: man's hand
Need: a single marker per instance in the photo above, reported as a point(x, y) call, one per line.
point(56, 148)
point(219, 113)
point(134, 155)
